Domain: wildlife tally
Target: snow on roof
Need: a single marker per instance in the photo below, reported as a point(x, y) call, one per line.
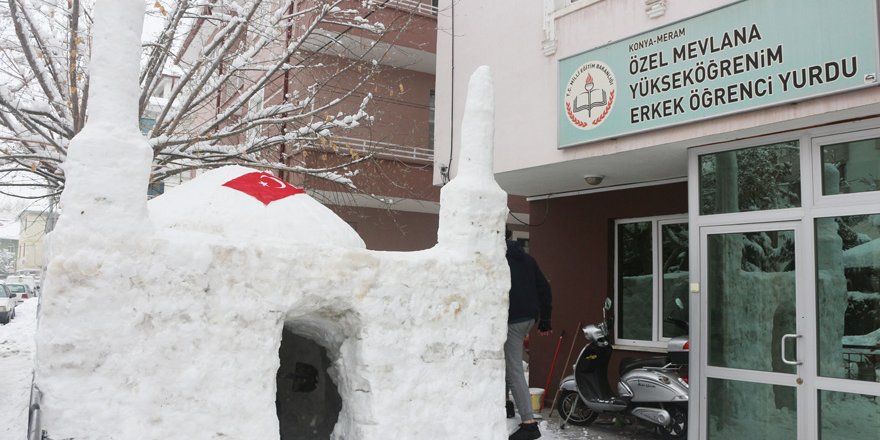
point(255, 208)
point(863, 255)
point(10, 231)
point(869, 340)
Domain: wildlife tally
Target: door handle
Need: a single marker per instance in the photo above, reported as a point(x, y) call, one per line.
point(784, 337)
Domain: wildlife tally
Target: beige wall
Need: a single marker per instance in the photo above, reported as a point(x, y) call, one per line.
point(30, 242)
point(525, 79)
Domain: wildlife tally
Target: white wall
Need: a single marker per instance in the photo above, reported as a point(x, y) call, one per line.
point(508, 38)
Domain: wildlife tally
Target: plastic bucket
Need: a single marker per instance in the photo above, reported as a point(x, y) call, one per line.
point(537, 394)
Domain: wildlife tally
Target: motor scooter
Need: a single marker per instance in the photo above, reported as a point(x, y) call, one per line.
point(650, 389)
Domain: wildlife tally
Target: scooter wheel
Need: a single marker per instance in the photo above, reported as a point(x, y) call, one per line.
point(582, 415)
point(677, 428)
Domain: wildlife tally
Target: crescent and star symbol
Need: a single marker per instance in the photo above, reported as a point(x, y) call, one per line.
point(281, 184)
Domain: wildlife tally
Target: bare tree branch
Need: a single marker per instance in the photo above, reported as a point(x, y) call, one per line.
point(253, 82)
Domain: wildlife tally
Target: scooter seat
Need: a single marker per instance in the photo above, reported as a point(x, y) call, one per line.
point(629, 364)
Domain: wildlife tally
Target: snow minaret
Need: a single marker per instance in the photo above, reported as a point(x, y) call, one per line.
point(108, 163)
point(469, 216)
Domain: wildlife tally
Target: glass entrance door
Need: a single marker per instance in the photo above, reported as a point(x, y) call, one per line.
point(791, 348)
point(847, 323)
point(753, 354)
point(785, 316)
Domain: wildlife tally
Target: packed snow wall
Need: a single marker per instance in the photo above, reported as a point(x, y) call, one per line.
point(166, 323)
point(176, 339)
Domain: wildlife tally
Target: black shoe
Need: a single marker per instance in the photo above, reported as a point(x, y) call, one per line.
point(509, 407)
point(526, 431)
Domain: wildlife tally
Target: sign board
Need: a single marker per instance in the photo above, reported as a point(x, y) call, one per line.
point(747, 55)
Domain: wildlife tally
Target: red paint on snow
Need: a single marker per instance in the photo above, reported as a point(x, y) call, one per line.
point(263, 187)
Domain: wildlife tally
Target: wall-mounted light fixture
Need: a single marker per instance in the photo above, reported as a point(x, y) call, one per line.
point(655, 8)
point(444, 174)
point(593, 179)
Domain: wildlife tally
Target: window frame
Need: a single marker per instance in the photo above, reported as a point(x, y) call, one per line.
point(568, 6)
point(821, 200)
point(770, 141)
point(657, 342)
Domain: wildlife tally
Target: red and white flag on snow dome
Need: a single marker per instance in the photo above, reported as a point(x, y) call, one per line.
point(263, 187)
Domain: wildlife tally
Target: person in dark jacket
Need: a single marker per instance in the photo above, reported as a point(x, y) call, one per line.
point(530, 301)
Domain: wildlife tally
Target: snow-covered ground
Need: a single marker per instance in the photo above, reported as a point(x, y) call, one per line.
point(16, 365)
point(16, 369)
point(598, 431)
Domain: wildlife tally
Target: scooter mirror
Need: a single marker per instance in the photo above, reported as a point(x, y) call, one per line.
point(607, 303)
point(679, 303)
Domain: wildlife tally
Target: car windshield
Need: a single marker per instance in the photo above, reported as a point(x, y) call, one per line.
point(16, 288)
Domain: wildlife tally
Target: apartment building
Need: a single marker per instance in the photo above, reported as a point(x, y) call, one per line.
point(390, 199)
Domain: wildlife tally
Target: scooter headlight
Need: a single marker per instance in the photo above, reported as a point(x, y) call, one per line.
point(596, 334)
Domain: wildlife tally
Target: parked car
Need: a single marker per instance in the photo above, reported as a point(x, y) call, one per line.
point(7, 305)
point(23, 279)
point(20, 291)
point(36, 274)
point(29, 272)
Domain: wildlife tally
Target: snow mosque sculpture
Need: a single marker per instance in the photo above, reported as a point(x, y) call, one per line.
point(164, 322)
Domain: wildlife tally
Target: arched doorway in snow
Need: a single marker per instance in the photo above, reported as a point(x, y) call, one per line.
point(307, 400)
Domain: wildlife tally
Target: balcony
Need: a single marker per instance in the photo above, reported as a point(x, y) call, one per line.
point(409, 42)
point(384, 150)
point(419, 7)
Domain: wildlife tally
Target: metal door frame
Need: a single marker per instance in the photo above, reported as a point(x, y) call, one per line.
point(805, 327)
point(813, 206)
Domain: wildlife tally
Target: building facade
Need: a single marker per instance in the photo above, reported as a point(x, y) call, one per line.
point(395, 205)
point(35, 224)
point(712, 160)
point(390, 199)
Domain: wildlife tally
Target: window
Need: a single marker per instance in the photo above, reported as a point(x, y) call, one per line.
point(161, 90)
point(155, 189)
point(651, 280)
point(750, 179)
point(851, 167)
point(560, 4)
point(146, 124)
point(848, 296)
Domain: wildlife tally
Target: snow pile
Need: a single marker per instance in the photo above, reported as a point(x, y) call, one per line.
point(169, 326)
point(16, 360)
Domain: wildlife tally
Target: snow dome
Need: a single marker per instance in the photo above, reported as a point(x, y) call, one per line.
point(229, 312)
point(240, 204)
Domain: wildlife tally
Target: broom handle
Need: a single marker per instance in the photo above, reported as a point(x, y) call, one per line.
point(552, 366)
point(564, 368)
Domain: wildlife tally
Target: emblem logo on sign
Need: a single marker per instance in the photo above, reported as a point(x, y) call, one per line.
point(589, 95)
point(263, 186)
